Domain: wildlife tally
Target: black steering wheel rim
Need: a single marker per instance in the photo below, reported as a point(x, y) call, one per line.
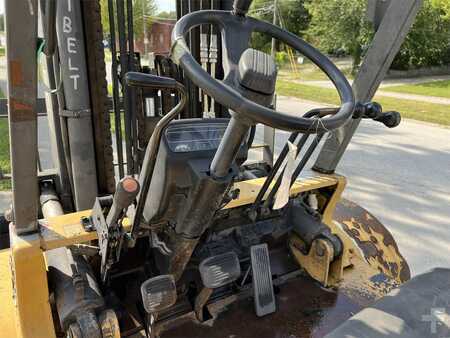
point(229, 97)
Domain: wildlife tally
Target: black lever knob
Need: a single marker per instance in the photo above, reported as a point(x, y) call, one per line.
point(390, 119)
point(374, 111)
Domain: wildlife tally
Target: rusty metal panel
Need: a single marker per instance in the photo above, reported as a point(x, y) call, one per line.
point(374, 239)
point(21, 37)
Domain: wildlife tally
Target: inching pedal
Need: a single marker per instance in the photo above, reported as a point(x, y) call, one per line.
point(159, 293)
point(262, 280)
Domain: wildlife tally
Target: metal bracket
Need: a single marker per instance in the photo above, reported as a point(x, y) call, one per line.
point(75, 114)
point(319, 262)
point(110, 239)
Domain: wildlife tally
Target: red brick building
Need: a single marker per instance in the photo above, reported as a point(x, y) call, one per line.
point(159, 34)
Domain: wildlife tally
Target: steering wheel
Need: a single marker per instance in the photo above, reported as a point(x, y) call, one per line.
point(236, 29)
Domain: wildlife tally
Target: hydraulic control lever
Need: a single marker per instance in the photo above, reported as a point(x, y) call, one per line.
point(374, 111)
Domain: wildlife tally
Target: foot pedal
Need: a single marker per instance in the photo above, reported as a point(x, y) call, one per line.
point(262, 280)
point(220, 270)
point(216, 272)
point(159, 293)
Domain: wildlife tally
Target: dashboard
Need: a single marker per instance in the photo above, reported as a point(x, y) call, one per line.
point(194, 136)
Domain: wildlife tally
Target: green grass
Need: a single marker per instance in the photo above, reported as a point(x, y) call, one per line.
point(421, 111)
point(112, 121)
point(306, 92)
point(5, 164)
point(2, 51)
point(435, 88)
point(108, 55)
point(308, 72)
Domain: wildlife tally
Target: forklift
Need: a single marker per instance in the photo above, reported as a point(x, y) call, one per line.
point(156, 220)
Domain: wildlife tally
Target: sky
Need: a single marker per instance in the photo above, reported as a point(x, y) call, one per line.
point(163, 5)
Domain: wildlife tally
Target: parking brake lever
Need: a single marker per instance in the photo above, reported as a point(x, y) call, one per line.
point(141, 80)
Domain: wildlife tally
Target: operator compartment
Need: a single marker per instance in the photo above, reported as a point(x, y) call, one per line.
point(183, 162)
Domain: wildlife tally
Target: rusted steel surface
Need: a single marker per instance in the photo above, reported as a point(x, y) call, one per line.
point(374, 239)
point(304, 309)
point(182, 249)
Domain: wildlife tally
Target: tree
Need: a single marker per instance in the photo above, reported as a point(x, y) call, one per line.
point(140, 7)
point(428, 42)
point(167, 15)
point(293, 14)
point(444, 6)
point(339, 25)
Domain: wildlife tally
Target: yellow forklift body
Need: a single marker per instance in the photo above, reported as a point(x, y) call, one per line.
point(26, 310)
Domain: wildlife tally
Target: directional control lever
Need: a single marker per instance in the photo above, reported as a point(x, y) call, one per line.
point(374, 111)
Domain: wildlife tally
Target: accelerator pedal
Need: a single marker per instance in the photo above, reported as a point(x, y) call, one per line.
point(262, 280)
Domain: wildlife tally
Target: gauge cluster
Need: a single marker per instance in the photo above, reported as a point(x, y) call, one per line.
point(183, 138)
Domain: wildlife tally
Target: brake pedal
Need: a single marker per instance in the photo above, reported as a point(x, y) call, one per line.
point(262, 280)
point(220, 270)
point(216, 272)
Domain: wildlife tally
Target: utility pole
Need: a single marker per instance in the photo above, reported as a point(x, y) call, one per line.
point(275, 9)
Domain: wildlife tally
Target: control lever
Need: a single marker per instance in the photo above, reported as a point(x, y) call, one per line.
point(110, 230)
point(126, 192)
point(390, 119)
point(141, 80)
point(374, 111)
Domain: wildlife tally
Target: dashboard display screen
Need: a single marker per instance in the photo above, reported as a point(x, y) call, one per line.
point(184, 138)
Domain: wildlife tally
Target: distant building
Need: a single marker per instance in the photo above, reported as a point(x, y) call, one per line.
point(159, 34)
